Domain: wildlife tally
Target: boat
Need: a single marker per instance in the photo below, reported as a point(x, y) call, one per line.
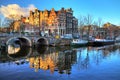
point(100, 42)
point(79, 43)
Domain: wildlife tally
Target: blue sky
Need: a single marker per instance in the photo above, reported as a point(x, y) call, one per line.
point(108, 10)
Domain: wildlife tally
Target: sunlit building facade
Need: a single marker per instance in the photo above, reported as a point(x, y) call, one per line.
point(54, 22)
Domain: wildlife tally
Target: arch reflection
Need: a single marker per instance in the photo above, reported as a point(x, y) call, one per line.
point(23, 52)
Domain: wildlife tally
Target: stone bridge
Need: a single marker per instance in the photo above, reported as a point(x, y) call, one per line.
point(28, 40)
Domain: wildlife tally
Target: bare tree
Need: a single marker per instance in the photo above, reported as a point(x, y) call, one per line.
point(81, 21)
point(85, 23)
point(88, 22)
point(100, 22)
point(81, 25)
point(95, 23)
point(88, 19)
point(6, 22)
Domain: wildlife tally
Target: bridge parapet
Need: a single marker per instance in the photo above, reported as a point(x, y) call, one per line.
point(30, 39)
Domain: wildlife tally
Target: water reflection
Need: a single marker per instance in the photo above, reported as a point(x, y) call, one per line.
point(18, 52)
point(54, 60)
point(63, 59)
point(13, 49)
point(14, 46)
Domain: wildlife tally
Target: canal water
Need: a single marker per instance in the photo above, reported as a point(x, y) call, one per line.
point(61, 63)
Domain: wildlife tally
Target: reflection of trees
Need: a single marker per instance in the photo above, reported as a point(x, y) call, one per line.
point(97, 57)
point(110, 49)
point(65, 60)
point(103, 52)
point(116, 47)
point(87, 57)
point(83, 61)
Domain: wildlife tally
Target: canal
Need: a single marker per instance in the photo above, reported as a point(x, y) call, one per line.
point(61, 63)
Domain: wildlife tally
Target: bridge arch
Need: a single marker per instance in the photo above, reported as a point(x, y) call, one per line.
point(24, 41)
point(42, 41)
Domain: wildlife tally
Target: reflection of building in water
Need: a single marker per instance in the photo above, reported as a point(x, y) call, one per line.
point(44, 62)
point(54, 61)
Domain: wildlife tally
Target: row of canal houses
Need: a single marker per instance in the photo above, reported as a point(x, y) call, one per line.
point(93, 35)
point(107, 31)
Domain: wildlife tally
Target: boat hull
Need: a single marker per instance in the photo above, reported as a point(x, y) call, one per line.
point(78, 44)
point(100, 43)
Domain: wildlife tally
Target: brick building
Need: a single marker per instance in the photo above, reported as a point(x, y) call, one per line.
point(54, 22)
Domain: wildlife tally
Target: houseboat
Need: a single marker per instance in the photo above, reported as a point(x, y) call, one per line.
point(100, 42)
point(78, 43)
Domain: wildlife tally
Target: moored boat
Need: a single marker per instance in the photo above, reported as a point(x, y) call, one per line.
point(78, 43)
point(100, 42)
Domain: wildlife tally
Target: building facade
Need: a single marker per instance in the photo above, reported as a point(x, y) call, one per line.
point(54, 22)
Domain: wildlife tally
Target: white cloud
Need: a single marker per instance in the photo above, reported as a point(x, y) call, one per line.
point(15, 11)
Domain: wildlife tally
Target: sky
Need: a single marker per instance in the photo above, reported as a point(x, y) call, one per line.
point(107, 10)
